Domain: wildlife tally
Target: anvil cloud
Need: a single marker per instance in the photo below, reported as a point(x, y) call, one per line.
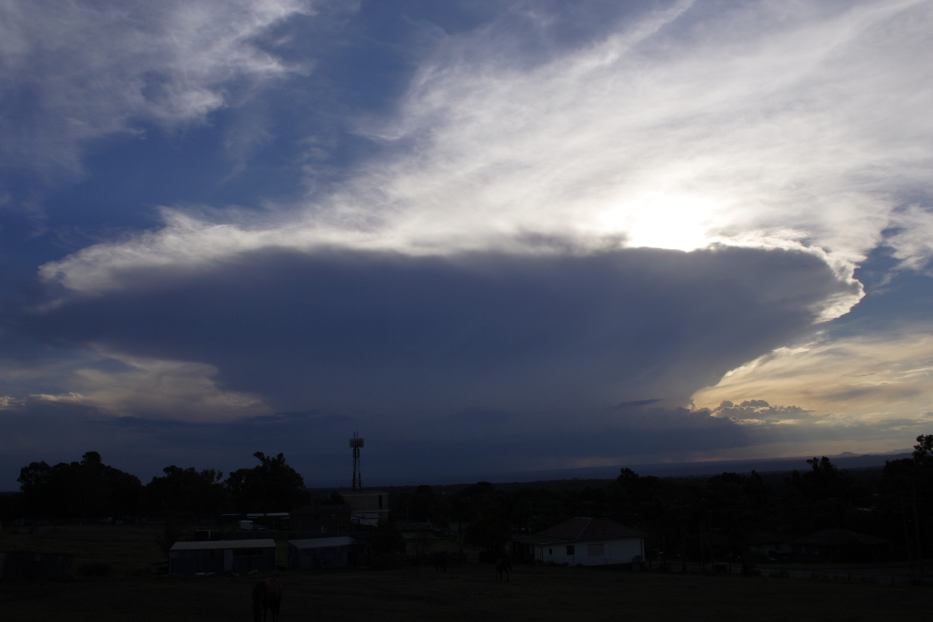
point(470, 222)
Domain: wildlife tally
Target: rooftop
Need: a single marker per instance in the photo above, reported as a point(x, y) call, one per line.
point(584, 529)
point(203, 545)
point(322, 543)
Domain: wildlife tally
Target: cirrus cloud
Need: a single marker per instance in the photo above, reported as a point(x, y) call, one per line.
point(76, 71)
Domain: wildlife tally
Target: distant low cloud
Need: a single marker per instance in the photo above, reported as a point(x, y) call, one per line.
point(843, 381)
point(758, 412)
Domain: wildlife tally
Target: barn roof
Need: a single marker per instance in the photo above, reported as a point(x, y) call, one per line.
point(322, 543)
point(203, 545)
point(585, 529)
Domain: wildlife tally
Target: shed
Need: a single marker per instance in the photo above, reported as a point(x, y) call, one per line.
point(220, 556)
point(320, 553)
point(585, 541)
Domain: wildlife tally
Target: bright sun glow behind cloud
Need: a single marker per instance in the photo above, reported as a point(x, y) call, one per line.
point(770, 126)
point(659, 220)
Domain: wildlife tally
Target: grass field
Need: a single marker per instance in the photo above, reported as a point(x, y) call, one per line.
point(467, 593)
point(126, 549)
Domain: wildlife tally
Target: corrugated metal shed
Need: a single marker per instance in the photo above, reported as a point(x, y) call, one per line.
point(206, 545)
point(222, 556)
point(318, 543)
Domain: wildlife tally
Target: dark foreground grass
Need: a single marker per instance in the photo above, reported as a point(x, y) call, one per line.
point(124, 549)
point(467, 593)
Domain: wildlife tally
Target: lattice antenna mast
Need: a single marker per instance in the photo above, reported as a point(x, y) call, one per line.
point(356, 444)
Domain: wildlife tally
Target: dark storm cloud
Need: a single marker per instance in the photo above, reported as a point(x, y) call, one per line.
point(456, 367)
point(376, 333)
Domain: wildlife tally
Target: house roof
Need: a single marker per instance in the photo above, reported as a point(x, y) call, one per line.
point(322, 543)
point(584, 529)
point(203, 545)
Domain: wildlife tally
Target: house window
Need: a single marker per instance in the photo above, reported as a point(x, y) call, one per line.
point(595, 550)
point(570, 549)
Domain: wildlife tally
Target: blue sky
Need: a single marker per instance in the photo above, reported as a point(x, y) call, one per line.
point(490, 236)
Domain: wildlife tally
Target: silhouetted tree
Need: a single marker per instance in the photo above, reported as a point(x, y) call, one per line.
point(88, 488)
point(186, 491)
point(907, 489)
point(923, 450)
point(272, 486)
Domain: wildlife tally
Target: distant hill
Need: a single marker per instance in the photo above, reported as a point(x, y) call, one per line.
point(845, 460)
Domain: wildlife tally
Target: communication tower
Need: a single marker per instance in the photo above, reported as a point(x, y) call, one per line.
point(356, 444)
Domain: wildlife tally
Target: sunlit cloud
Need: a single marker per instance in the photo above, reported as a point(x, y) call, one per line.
point(543, 230)
point(164, 389)
point(769, 125)
point(848, 381)
point(118, 385)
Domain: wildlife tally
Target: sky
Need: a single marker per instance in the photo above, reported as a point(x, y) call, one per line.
point(491, 237)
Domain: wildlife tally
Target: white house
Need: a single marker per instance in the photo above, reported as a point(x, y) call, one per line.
point(585, 541)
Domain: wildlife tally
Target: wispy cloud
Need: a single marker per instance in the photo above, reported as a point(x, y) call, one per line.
point(766, 125)
point(75, 71)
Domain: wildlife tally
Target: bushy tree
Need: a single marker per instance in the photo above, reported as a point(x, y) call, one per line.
point(88, 488)
point(186, 491)
point(271, 486)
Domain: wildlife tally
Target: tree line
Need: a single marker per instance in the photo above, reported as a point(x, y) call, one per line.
point(703, 518)
point(687, 518)
point(91, 489)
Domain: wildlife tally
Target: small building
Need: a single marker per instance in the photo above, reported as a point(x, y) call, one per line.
point(321, 553)
point(367, 507)
point(583, 541)
point(34, 565)
point(222, 556)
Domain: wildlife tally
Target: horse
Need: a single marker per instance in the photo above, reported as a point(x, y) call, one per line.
point(267, 597)
point(504, 568)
